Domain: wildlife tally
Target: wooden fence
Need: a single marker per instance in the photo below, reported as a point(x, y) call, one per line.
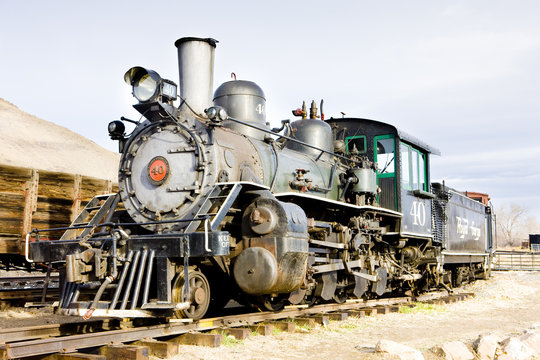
point(509, 260)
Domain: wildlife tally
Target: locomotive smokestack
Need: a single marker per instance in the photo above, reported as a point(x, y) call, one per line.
point(196, 67)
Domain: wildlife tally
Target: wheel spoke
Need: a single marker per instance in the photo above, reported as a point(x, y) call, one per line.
point(199, 294)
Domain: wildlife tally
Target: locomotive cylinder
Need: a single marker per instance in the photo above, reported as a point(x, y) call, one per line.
point(274, 259)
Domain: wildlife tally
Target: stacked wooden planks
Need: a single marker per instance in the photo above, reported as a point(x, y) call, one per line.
point(31, 198)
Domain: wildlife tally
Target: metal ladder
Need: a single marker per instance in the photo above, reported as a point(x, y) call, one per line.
point(220, 198)
point(92, 215)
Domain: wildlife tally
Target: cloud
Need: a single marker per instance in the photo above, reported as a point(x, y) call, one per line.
point(470, 57)
point(508, 175)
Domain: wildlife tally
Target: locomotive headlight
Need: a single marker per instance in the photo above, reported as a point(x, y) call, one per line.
point(145, 88)
point(149, 86)
point(116, 130)
point(216, 113)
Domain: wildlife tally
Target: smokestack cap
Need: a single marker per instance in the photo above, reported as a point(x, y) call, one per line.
point(210, 41)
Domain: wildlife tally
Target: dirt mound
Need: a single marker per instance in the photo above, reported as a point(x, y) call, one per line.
point(31, 142)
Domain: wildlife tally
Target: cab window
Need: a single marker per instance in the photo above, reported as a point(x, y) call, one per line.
point(405, 166)
point(355, 145)
point(413, 168)
point(384, 155)
point(422, 166)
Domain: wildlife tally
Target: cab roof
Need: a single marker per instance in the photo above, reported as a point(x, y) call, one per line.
point(389, 128)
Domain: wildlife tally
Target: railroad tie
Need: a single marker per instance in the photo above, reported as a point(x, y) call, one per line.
point(78, 356)
point(287, 326)
point(126, 352)
point(262, 329)
point(200, 339)
point(340, 316)
point(386, 309)
point(238, 333)
point(321, 319)
point(302, 321)
point(160, 349)
point(369, 311)
point(357, 313)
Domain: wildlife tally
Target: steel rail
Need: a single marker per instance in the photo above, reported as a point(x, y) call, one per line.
point(52, 330)
point(70, 343)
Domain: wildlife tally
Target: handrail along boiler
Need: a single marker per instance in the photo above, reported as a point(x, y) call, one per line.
point(216, 205)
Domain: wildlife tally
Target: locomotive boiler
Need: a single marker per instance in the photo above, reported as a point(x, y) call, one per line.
point(214, 205)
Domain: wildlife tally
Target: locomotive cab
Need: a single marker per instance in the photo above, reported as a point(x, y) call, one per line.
point(403, 175)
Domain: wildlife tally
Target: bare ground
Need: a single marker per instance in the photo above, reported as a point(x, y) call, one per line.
point(505, 305)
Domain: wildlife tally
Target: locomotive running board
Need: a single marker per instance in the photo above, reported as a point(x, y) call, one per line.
point(385, 211)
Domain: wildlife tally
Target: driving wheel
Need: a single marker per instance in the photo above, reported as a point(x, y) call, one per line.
point(198, 297)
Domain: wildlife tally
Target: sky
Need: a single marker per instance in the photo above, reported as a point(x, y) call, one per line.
point(463, 76)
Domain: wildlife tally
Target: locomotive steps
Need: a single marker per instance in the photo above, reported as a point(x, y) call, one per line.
point(65, 340)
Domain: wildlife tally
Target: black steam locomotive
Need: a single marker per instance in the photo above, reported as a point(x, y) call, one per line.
point(214, 205)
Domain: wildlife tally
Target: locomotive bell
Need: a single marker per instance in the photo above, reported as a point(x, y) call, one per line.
point(245, 101)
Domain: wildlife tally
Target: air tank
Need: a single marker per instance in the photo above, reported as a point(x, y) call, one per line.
point(245, 101)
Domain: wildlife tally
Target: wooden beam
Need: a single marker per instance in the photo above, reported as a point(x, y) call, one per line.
point(200, 339)
point(9, 246)
point(321, 319)
point(30, 202)
point(262, 329)
point(337, 316)
point(160, 349)
point(386, 309)
point(357, 313)
point(126, 352)
point(369, 311)
point(287, 326)
point(309, 322)
point(76, 356)
point(238, 333)
point(109, 187)
point(77, 197)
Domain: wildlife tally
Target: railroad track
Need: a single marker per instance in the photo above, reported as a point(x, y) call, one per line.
point(29, 288)
point(63, 339)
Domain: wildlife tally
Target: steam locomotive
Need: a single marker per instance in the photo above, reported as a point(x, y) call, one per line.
point(214, 205)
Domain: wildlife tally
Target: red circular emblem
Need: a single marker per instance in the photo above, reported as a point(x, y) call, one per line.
point(158, 170)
